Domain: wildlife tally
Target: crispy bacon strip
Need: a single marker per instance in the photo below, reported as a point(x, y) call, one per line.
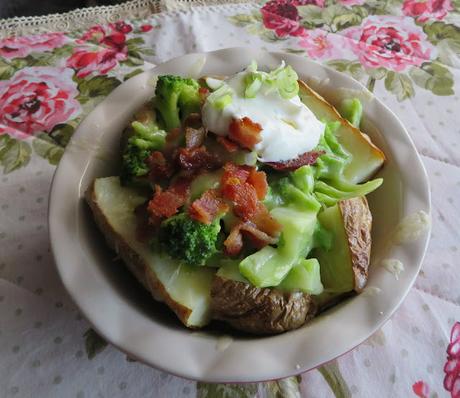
point(207, 207)
point(258, 179)
point(234, 174)
point(263, 220)
point(196, 159)
point(245, 132)
point(165, 204)
point(234, 242)
point(227, 144)
point(193, 120)
point(159, 167)
point(203, 93)
point(258, 238)
point(181, 187)
point(243, 197)
point(306, 158)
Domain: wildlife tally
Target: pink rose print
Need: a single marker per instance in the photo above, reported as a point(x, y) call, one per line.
point(12, 132)
point(352, 2)
point(20, 47)
point(318, 45)
point(425, 10)
point(37, 98)
point(421, 389)
point(112, 39)
point(282, 16)
point(452, 366)
point(86, 61)
point(395, 43)
point(121, 27)
point(146, 28)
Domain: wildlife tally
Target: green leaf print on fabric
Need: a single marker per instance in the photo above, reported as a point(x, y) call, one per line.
point(13, 153)
point(135, 72)
point(284, 388)
point(434, 77)
point(353, 68)
point(94, 344)
point(49, 58)
point(400, 85)
point(62, 133)
point(447, 40)
point(438, 31)
point(244, 20)
point(338, 17)
point(311, 16)
point(45, 147)
point(98, 86)
point(334, 378)
point(208, 390)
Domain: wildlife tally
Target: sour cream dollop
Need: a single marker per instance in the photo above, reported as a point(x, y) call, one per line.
point(289, 127)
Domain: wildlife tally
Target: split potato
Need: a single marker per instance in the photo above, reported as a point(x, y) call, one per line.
point(185, 289)
point(344, 267)
point(367, 158)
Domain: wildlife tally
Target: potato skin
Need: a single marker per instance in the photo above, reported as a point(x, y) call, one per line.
point(357, 221)
point(259, 310)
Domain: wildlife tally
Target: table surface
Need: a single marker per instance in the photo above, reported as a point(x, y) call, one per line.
point(53, 75)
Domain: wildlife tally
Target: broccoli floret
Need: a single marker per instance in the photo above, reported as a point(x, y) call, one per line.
point(175, 98)
point(145, 138)
point(285, 192)
point(188, 240)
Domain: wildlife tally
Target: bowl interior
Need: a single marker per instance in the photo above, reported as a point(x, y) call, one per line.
point(127, 316)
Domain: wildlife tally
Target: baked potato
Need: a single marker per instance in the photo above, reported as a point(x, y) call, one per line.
point(198, 291)
point(345, 266)
point(185, 289)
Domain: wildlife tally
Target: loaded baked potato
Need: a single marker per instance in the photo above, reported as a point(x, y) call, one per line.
point(242, 200)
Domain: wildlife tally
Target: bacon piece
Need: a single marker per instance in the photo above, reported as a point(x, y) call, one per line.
point(193, 120)
point(207, 207)
point(194, 137)
point(159, 166)
point(164, 203)
point(181, 187)
point(227, 144)
point(197, 158)
point(203, 93)
point(234, 174)
point(263, 220)
point(258, 179)
point(234, 242)
point(243, 197)
point(258, 238)
point(306, 158)
point(245, 132)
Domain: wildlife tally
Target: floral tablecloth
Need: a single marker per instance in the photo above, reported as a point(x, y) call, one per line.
point(54, 70)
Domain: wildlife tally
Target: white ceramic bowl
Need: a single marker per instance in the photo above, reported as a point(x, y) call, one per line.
point(125, 315)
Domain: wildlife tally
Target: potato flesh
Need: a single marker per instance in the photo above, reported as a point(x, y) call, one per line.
point(367, 158)
point(188, 286)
